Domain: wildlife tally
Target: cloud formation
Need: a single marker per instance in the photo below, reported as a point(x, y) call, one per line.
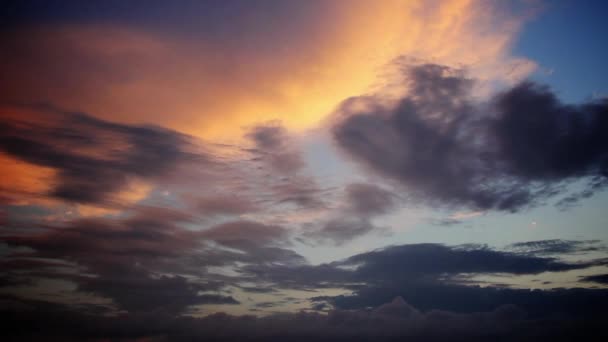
point(446, 148)
point(211, 68)
point(361, 203)
point(391, 321)
point(93, 159)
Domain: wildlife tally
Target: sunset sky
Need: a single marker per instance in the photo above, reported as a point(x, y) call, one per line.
point(178, 170)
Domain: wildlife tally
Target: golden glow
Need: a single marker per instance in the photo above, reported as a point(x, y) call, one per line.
point(213, 89)
point(23, 183)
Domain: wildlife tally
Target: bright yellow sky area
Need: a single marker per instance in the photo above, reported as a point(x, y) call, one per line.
point(213, 88)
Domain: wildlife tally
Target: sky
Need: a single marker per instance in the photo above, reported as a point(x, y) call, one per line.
point(305, 170)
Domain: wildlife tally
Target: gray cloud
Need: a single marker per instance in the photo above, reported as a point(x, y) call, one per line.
point(522, 146)
point(361, 203)
point(599, 278)
point(556, 247)
point(391, 321)
point(93, 158)
point(272, 145)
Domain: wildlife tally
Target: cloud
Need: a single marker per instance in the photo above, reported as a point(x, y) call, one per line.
point(599, 278)
point(92, 159)
point(148, 259)
point(273, 147)
point(448, 149)
point(260, 243)
point(361, 203)
point(556, 247)
point(421, 261)
point(393, 320)
point(145, 261)
point(210, 69)
point(140, 292)
point(434, 277)
point(211, 206)
point(369, 200)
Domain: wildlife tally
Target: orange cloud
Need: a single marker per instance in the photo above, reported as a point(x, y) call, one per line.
point(295, 70)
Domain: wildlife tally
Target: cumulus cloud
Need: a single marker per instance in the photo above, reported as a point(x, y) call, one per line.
point(447, 148)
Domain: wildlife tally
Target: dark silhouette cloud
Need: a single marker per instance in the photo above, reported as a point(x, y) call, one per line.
point(394, 320)
point(136, 291)
point(556, 247)
point(432, 276)
point(523, 146)
point(599, 278)
point(93, 158)
point(423, 260)
point(146, 261)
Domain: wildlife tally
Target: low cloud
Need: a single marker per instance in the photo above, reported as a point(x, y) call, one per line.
point(393, 320)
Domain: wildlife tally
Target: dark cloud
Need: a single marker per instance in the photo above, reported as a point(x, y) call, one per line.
point(599, 278)
point(577, 302)
point(394, 320)
point(93, 158)
point(136, 291)
point(420, 261)
point(146, 261)
point(522, 146)
point(428, 276)
point(556, 247)
point(433, 276)
point(544, 139)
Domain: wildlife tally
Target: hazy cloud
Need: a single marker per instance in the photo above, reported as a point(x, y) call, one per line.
point(360, 203)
